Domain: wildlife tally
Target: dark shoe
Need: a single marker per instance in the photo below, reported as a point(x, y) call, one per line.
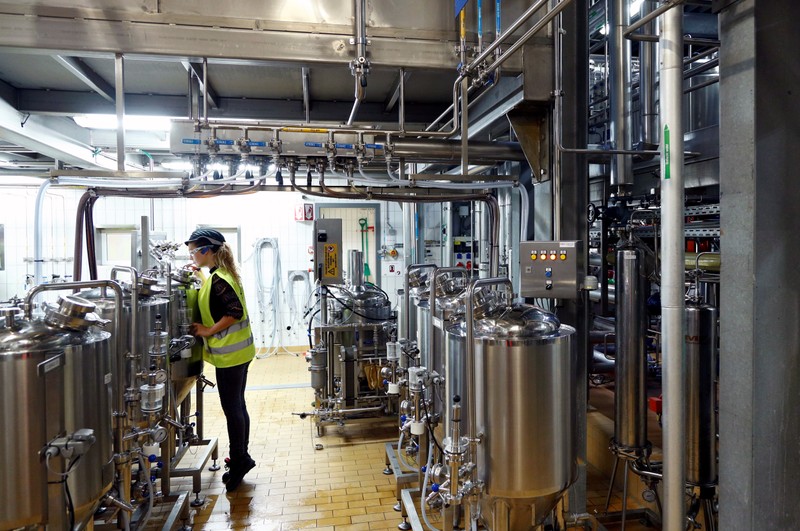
point(237, 474)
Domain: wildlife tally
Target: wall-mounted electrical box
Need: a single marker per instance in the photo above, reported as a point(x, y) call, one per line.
point(550, 269)
point(328, 251)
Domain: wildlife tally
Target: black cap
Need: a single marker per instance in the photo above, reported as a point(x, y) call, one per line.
point(206, 237)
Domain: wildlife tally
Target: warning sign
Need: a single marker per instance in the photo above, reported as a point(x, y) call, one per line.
point(331, 269)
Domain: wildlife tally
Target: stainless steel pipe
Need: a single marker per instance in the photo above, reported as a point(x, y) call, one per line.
point(619, 95)
point(672, 272)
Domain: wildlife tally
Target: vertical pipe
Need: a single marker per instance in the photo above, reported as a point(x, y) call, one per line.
point(191, 94)
point(401, 113)
point(356, 266)
point(144, 265)
point(462, 33)
point(647, 81)
point(37, 234)
point(557, 129)
point(464, 127)
point(672, 272)
point(480, 25)
point(619, 100)
point(306, 94)
point(205, 90)
point(119, 78)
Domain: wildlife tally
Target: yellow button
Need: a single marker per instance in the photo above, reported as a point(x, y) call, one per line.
point(552, 257)
point(543, 257)
point(533, 256)
point(563, 256)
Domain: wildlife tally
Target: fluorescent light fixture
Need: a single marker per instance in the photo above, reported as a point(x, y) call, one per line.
point(132, 122)
point(177, 165)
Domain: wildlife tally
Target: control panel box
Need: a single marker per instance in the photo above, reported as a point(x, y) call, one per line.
point(550, 269)
point(328, 251)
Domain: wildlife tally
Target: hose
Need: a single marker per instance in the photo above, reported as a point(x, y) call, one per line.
point(295, 316)
point(400, 454)
point(422, 501)
point(269, 296)
point(151, 493)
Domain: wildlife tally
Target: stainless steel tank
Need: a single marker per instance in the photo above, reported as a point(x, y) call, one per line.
point(56, 379)
point(525, 390)
point(701, 379)
point(630, 399)
point(148, 310)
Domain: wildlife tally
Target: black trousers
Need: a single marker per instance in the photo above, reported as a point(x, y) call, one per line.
point(231, 383)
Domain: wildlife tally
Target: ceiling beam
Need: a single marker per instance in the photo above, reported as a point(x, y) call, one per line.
point(8, 93)
point(89, 37)
point(69, 103)
point(56, 137)
point(87, 75)
point(394, 93)
point(196, 69)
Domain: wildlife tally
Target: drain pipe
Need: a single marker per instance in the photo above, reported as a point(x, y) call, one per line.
point(619, 101)
point(672, 269)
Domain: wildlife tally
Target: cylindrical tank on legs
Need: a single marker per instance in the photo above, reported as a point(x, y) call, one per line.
point(525, 391)
point(630, 427)
point(55, 376)
point(701, 377)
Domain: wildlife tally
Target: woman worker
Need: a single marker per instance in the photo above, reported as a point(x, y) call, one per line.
point(229, 345)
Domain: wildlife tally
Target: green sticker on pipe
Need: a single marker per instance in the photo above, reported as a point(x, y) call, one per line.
point(666, 153)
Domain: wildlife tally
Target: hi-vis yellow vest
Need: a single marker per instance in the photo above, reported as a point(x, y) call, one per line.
point(234, 345)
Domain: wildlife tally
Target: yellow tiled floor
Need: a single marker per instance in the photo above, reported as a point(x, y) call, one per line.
point(294, 485)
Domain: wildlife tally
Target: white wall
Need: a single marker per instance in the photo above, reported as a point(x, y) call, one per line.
point(262, 215)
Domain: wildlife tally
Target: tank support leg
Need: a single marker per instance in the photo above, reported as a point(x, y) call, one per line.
point(611, 485)
point(624, 495)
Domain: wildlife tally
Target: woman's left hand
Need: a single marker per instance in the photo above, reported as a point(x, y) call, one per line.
point(200, 330)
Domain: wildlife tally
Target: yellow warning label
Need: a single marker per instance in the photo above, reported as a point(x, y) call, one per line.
point(331, 269)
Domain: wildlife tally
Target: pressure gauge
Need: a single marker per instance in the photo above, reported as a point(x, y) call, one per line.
point(159, 434)
point(161, 376)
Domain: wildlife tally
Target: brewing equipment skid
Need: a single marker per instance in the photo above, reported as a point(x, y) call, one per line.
point(349, 359)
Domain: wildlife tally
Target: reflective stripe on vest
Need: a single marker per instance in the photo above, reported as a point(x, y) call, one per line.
point(234, 345)
point(235, 327)
point(231, 348)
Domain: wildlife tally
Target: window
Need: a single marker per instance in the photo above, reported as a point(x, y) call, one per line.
point(115, 245)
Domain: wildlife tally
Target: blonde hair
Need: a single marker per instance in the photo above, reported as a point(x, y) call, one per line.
point(225, 260)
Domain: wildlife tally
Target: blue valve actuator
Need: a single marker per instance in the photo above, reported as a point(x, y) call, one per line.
point(435, 487)
point(424, 468)
point(152, 458)
point(385, 382)
point(402, 418)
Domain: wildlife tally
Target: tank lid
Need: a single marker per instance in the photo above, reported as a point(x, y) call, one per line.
point(35, 336)
point(521, 321)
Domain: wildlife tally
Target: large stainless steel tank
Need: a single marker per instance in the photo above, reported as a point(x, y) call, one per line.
point(701, 378)
point(525, 402)
point(630, 399)
point(55, 379)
